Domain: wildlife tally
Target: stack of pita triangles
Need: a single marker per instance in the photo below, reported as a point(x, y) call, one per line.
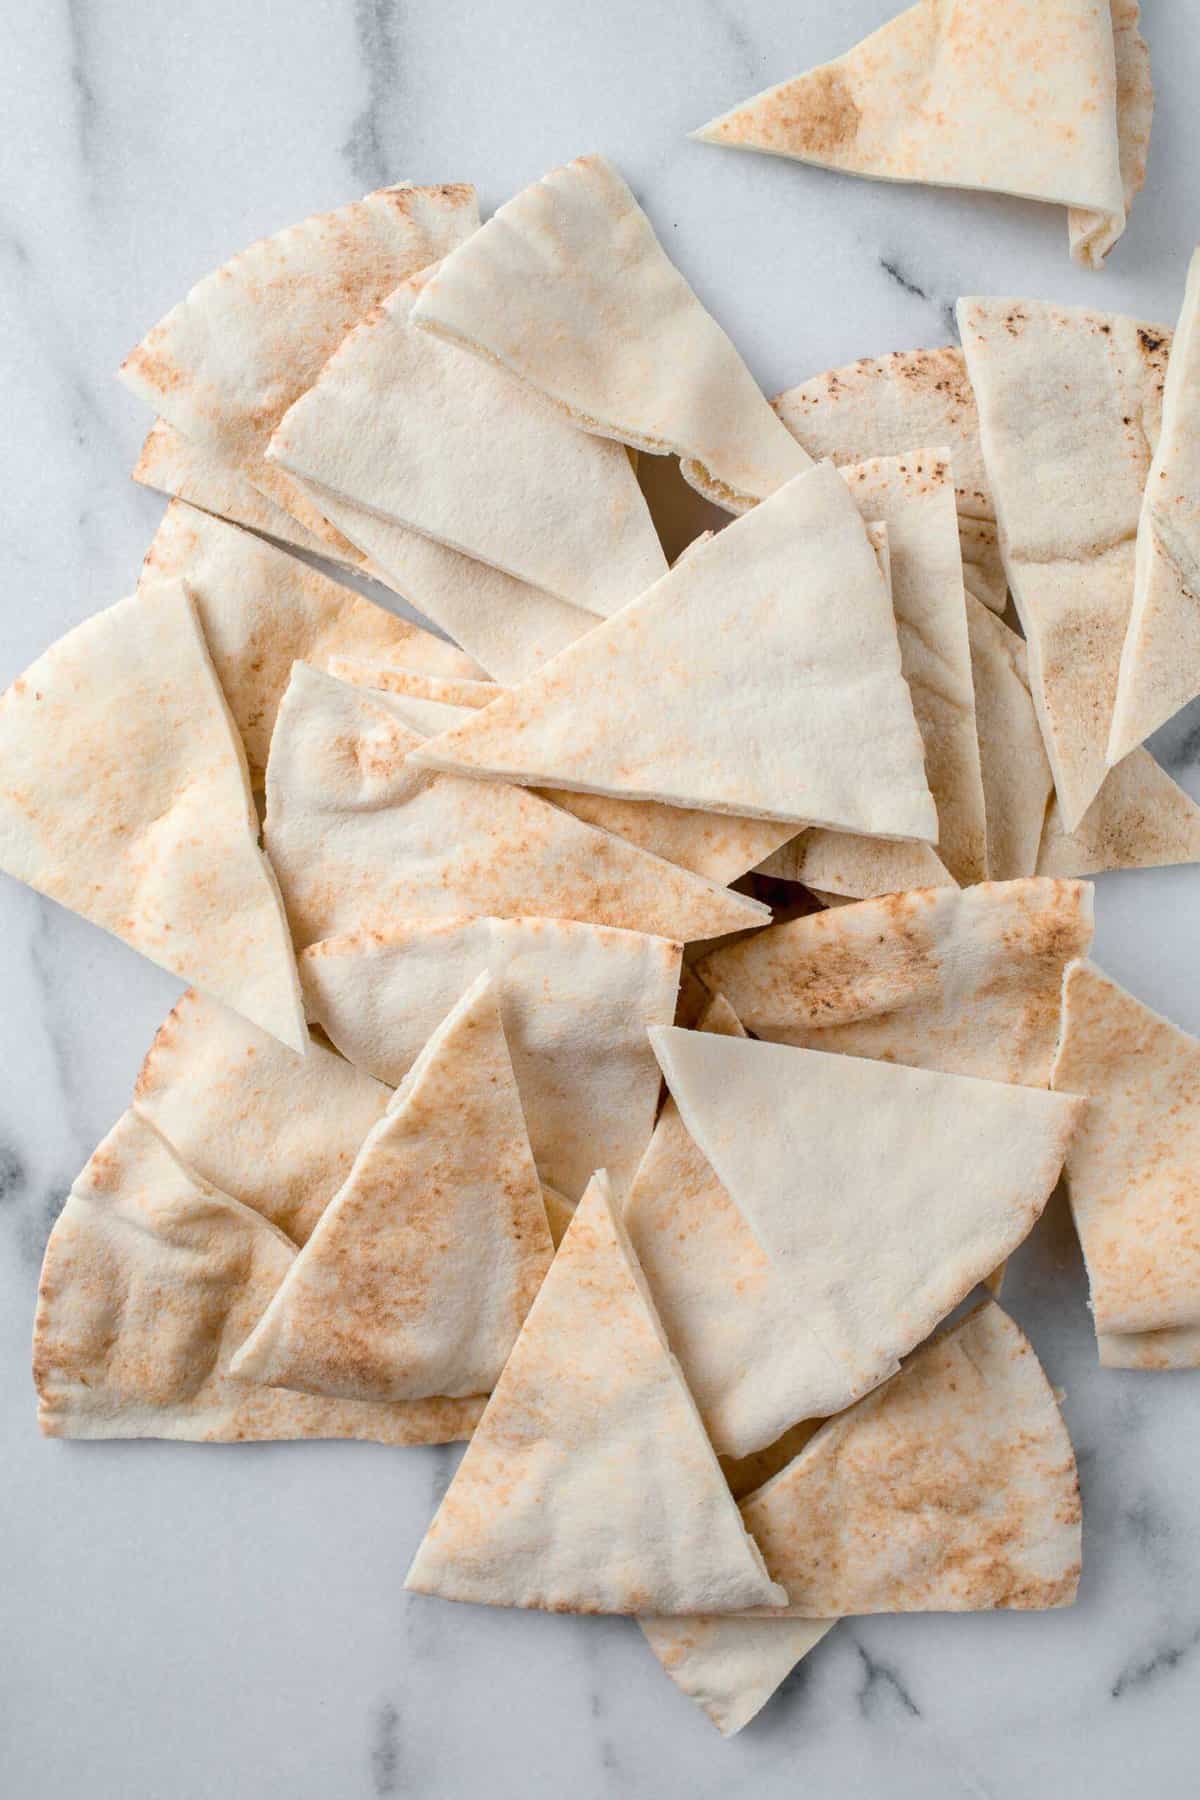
point(777, 688)
point(1024, 98)
point(589, 1485)
point(425, 1262)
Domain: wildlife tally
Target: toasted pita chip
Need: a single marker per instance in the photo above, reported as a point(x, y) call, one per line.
point(1020, 99)
point(425, 1262)
point(772, 646)
point(512, 482)
point(447, 690)
point(569, 289)
point(916, 1186)
point(151, 1281)
point(1140, 819)
point(590, 1485)
point(226, 363)
point(728, 1315)
point(840, 868)
point(360, 836)
point(124, 795)
point(1160, 660)
point(196, 474)
point(882, 406)
point(731, 1667)
point(1093, 234)
point(576, 1001)
point(968, 982)
point(261, 610)
point(1133, 1171)
point(1070, 404)
point(276, 1131)
point(953, 1488)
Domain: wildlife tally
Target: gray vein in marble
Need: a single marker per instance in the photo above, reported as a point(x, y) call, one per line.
point(896, 271)
point(87, 106)
point(35, 1223)
point(385, 1749)
point(12, 1172)
point(1161, 1662)
point(738, 36)
point(376, 26)
point(606, 1749)
point(893, 269)
point(880, 1687)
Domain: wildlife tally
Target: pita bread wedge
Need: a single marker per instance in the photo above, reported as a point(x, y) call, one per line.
point(425, 1262)
point(731, 1667)
point(845, 868)
point(415, 430)
point(276, 1131)
point(261, 610)
point(1133, 1172)
point(1140, 819)
point(729, 1317)
point(915, 1187)
point(1160, 660)
point(1150, 1351)
point(1020, 99)
point(224, 365)
point(152, 1280)
point(1093, 234)
point(1070, 404)
point(569, 289)
point(508, 627)
point(360, 837)
point(576, 1001)
point(882, 406)
point(772, 647)
point(447, 690)
point(968, 982)
point(189, 472)
point(953, 1488)
point(590, 1485)
point(124, 795)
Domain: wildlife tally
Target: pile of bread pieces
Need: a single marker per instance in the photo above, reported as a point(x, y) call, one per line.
point(399, 1165)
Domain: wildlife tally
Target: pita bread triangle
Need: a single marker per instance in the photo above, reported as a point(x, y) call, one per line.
point(190, 472)
point(882, 406)
point(425, 1262)
point(1132, 1170)
point(1092, 234)
point(1140, 819)
point(448, 690)
point(918, 1184)
point(1161, 655)
point(953, 1488)
point(360, 836)
point(414, 430)
point(569, 289)
point(152, 1279)
point(967, 982)
point(769, 721)
point(1020, 99)
point(224, 365)
point(261, 610)
point(589, 1485)
point(1070, 403)
point(125, 796)
point(731, 1667)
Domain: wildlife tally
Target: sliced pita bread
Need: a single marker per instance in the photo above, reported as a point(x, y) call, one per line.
point(772, 646)
point(590, 1485)
point(882, 406)
point(1150, 1351)
point(839, 867)
point(1160, 661)
point(151, 1281)
point(918, 1184)
point(569, 289)
point(261, 610)
point(1140, 819)
point(576, 1001)
point(224, 365)
point(1070, 404)
point(729, 1317)
point(953, 1488)
point(447, 690)
point(1093, 234)
point(276, 1131)
point(425, 1262)
point(360, 836)
point(509, 628)
point(731, 1667)
point(955, 93)
point(125, 796)
point(196, 474)
point(968, 982)
point(1133, 1171)
point(451, 446)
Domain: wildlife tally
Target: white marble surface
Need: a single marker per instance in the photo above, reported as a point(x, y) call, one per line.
point(182, 1622)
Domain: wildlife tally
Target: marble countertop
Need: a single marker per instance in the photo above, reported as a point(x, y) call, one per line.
point(183, 1622)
